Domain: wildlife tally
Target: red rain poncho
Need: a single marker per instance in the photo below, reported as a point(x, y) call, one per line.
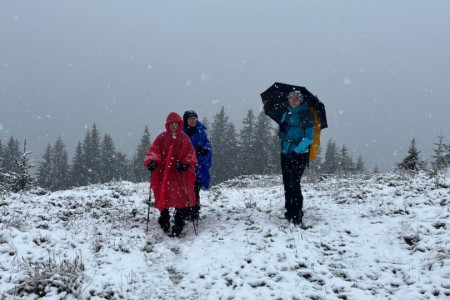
point(170, 186)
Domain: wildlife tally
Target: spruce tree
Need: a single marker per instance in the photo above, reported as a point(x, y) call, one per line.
point(108, 160)
point(315, 166)
point(92, 155)
point(138, 172)
point(79, 171)
point(359, 168)
point(122, 167)
point(261, 154)
point(60, 164)
point(274, 152)
point(439, 157)
point(44, 171)
point(412, 160)
point(1, 156)
point(11, 156)
point(224, 146)
point(345, 161)
point(20, 179)
point(331, 161)
point(247, 144)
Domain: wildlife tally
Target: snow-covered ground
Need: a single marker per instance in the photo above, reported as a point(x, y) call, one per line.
point(383, 236)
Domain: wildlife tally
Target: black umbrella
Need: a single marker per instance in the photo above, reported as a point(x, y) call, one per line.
point(275, 101)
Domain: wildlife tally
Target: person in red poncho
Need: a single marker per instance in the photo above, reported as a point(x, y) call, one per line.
point(171, 159)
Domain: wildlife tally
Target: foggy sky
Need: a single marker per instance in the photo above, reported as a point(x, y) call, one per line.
point(382, 68)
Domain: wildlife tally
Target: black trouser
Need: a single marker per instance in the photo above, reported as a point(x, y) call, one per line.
point(292, 167)
point(196, 209)
point(197, 194)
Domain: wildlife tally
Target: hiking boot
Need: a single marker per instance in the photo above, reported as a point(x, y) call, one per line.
point(176, 230)
point(180, 215)
point(288, 216)
point(297, 219)
point(164, 220)
point(195, 212)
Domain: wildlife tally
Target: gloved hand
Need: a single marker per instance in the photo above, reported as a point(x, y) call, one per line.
point(182, 167)
point(201, 150)
point(152, 166)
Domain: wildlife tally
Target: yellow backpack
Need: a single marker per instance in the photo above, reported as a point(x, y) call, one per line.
point(314, 147)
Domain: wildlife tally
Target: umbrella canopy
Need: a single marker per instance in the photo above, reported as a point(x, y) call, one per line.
point(275, 101)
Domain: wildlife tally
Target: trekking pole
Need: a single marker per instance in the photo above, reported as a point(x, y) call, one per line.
point(189, 203)
point(149, 201)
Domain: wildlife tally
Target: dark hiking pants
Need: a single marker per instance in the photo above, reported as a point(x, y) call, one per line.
point(292, 167)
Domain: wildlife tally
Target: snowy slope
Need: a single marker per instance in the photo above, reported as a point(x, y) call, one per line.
point(380, 237)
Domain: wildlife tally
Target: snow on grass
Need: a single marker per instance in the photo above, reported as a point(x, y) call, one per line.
point(383, 236)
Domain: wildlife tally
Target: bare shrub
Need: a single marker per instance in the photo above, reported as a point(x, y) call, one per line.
point(51, 276)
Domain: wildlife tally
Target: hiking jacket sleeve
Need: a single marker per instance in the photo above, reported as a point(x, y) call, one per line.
point(308, 137)
point(302, 147)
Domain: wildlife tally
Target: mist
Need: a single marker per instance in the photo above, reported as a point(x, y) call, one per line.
point(381, 68)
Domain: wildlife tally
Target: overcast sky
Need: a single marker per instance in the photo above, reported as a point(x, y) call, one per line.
point(382, 68)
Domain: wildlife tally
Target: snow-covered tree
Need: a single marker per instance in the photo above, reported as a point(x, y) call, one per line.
point(439, 157)
point(412, 160)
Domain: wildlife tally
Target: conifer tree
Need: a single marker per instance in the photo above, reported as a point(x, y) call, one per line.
point(412, 160)
point(20, 179)
point(359, 168)
point(122, 166)
point(330, 164)
point(44, 171)
point(247, 144)
point(274, 152)
point(224, 145)
point(345, 161)
point(11, 156)
point(261, 153)
point(1, 156)
point(439, 157)
point(315, 166)
point(91, 146)
point(2, 175)
point(60, 165)
point(79, 171)
point(138, 172)
point(376, 170)
point(108, 160)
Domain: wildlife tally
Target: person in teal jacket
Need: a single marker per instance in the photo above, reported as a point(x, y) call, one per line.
point(296, 135)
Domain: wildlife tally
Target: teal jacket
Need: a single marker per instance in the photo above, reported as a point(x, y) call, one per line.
point(296, 130)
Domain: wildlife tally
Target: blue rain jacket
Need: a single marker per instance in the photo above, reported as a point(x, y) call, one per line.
point(298, 133)
point(199, 137)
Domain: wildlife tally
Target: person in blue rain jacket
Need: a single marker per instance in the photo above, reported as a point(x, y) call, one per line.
point(296, 135)
point(199, 139)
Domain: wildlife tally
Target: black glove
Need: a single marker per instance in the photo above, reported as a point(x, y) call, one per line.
point(201, 150)
point(283, 126)
point(152, 166)
point(182, 167)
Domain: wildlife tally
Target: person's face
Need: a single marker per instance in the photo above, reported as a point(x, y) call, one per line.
point(192, 121)
point(294, 101)
point(173, 126)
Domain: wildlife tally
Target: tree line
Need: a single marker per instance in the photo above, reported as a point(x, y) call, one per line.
point(254, 150)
